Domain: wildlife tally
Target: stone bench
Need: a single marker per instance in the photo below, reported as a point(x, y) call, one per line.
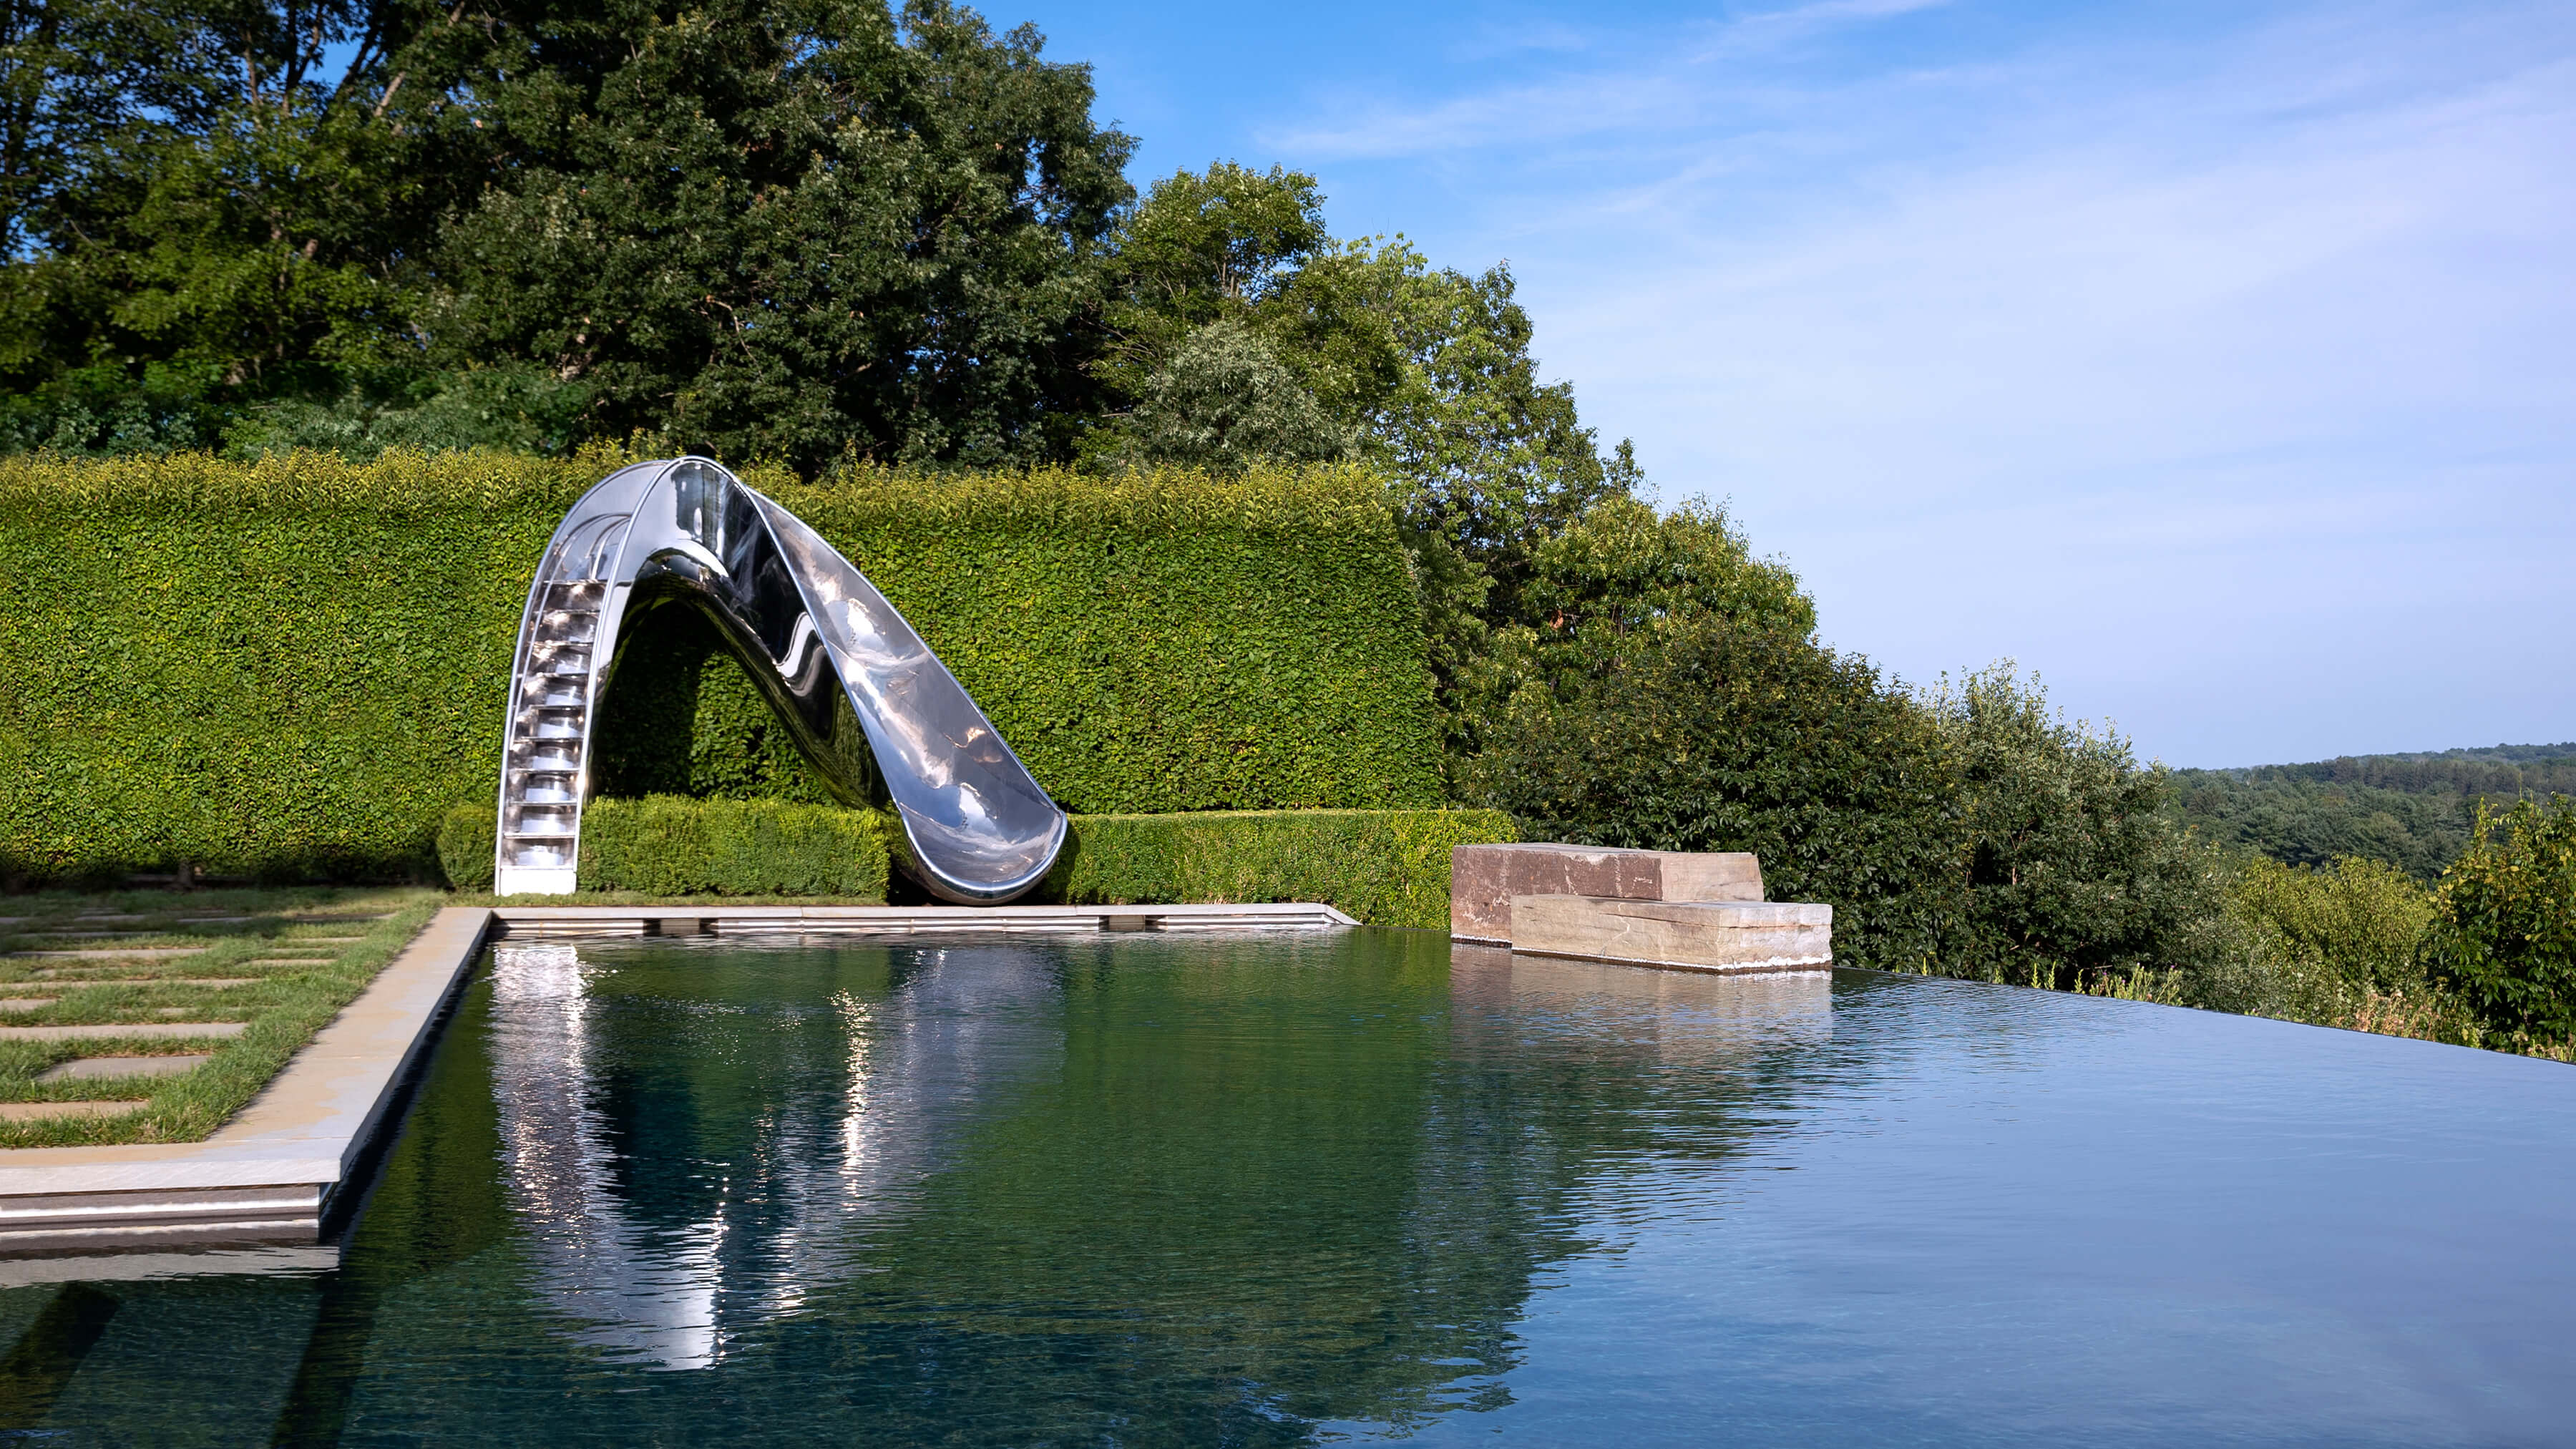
point(1701, 912)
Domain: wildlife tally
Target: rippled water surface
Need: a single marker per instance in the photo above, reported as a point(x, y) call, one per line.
point(1255, 1190)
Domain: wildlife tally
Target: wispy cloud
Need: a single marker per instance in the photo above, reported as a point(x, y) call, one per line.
point(2222, 374)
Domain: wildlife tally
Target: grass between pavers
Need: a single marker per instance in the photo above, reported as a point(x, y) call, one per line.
point(284, 1005)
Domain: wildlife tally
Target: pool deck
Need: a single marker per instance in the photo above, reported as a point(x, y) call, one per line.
point(272, 1174)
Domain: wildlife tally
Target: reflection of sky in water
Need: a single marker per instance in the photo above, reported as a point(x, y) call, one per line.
point(822, 1166)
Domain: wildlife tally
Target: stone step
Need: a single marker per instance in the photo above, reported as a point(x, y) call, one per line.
point(92, 1031)
point(1483, 879)
point(90, 1069)
point(27, 1003)
point(1725, 936)
point(47, 1111)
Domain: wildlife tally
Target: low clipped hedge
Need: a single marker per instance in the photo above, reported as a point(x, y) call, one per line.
point(290, 668)
point(667, 846)
point(1384, 867)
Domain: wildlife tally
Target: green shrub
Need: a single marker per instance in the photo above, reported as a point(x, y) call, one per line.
point(2504, 936)
point(290, 668)
point(1383, 867)
point(2318, 945)
point(668, 846)
point(1703, 734)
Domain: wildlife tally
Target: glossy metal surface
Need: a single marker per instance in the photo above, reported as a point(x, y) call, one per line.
point(865, 698)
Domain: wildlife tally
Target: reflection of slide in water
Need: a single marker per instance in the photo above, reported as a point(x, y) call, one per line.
point(874, 710)
point(843, 1142)
point(1677, 1018)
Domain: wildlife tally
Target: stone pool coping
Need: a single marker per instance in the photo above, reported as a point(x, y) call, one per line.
point(273, 1172)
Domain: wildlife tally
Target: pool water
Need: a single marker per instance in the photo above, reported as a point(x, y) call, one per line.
point(1286, 1189)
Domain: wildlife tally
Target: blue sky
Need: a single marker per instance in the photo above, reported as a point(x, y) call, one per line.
point(2218, 362)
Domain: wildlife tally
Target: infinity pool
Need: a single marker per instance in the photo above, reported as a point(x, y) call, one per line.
point(1258, 1190)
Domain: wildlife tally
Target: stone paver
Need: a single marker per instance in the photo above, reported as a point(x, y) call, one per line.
point(86, 1069)
point(46, 1111)
point(123, 1028)
point(83, 983)
point(112, 953)
point(27, 1003)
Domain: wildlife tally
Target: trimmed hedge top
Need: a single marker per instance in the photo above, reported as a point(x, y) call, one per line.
point(294, 666)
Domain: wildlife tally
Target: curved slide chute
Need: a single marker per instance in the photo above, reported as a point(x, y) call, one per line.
point(863, 696)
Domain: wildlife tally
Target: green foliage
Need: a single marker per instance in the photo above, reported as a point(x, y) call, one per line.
point(1705, 733)
point(681, 718)
point(1383, 867)
point(2066, 864)
point(1225, 402)
point(668, 846)
point(762, 227)
point(292, 668)
point(2318, 944)
point(767, 227)
point(2413, 811)
point(2505, 935)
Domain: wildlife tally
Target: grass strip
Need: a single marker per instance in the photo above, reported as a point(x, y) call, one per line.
point(284, 1006)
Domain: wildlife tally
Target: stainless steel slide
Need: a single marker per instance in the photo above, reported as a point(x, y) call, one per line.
point(865, 698)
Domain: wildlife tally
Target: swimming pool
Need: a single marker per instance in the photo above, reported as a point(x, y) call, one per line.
point(1278, 1189)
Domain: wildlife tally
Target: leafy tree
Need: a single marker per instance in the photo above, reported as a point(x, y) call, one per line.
point(1226, 402)
point(769, 229)
point(790, 228)
point(2504, 937)
point(2067, 866)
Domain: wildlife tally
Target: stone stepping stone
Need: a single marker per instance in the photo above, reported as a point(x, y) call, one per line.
point(47, 1111)
point(86, 1069)
point(321, 940)
point(69, 934)
point(219, 983)
point(112, 916)
point(93, 1031)
point(341, 920)
point(110, 952)
point(290, 961)
point(27, 1003)
point(213, 920)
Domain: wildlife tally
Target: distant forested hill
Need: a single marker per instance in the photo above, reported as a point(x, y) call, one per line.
point(2412, 811)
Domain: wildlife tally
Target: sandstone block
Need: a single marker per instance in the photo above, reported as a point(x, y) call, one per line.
point(1727, 936)
point(1484, 878)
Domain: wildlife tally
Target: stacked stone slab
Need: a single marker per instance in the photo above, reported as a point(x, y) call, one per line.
point(1701, 912)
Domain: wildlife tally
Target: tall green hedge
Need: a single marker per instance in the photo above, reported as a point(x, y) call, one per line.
point(293, 667)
